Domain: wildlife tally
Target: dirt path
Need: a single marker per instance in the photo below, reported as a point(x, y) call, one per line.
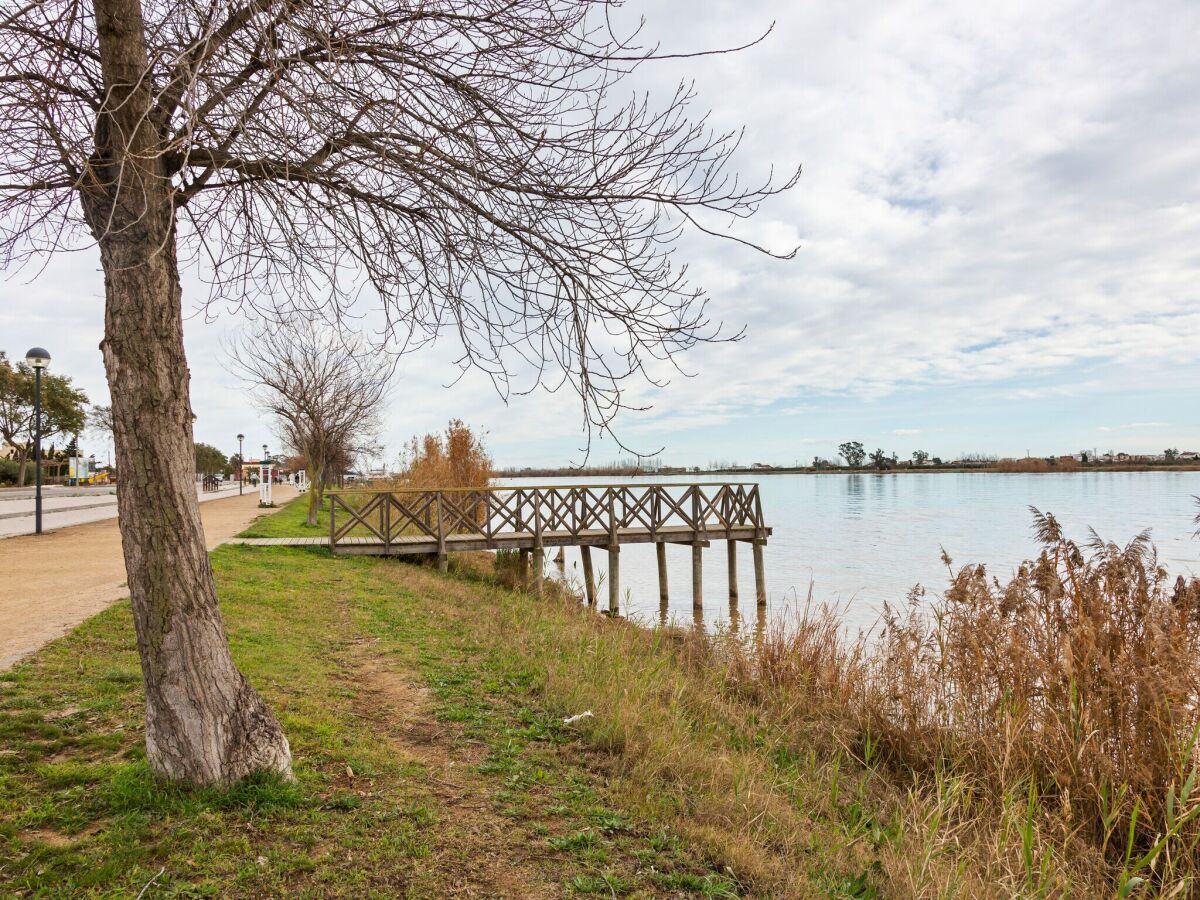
point(483, 855)
point(51, 583)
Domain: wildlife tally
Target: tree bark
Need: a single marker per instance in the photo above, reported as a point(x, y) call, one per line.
point(318, 479)
point(21, 470)
point(316, 493)
point(205, 724)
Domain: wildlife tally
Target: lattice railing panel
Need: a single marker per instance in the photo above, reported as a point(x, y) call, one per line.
point(494, 512)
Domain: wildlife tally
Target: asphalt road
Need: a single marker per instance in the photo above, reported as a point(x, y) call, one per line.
point(64, 507)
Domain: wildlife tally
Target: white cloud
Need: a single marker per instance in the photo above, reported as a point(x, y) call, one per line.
point(1132, 426)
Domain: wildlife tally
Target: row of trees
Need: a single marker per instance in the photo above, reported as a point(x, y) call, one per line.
point(856, 455)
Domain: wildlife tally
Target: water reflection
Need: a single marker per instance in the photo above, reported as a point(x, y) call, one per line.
point(855, 490)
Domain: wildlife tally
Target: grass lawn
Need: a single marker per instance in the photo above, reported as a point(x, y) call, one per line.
point(291, 521)
point(425, 713)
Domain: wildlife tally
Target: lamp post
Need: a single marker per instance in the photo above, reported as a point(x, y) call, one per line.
point(38, 359)
point(241, 464)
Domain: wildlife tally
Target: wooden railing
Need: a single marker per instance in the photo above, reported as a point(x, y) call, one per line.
point(528, 519)
point(576, 510)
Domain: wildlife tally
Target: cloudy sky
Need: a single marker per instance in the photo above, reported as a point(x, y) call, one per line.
point(999, 223)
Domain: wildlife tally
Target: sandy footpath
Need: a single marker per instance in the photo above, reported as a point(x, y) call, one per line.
point(49, 584)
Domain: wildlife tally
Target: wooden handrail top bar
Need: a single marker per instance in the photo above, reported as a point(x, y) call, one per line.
point(542, 487)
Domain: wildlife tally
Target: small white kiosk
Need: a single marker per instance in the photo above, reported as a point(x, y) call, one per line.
point(266, 470)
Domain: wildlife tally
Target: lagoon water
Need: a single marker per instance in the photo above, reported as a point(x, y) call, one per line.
point(860, 540)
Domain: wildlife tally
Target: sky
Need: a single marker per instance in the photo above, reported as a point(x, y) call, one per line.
point(999, 248)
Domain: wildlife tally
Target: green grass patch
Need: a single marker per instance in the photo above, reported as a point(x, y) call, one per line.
point(291, 520)
point(428, 754)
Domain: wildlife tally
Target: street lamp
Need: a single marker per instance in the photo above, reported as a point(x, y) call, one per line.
point(241, 464)
point(38, 359)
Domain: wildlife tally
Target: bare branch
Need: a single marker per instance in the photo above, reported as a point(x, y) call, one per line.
point(451, 170)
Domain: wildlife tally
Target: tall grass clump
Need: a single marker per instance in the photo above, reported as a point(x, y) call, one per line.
point(455, 458)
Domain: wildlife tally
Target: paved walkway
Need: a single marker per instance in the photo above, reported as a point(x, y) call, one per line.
point(54, 581)
point(64, 507)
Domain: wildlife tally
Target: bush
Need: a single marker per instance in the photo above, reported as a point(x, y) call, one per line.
point(9, 469)
point(456, 458)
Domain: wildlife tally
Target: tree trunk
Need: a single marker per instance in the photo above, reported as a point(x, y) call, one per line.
point(205, 724)
point(317, 481)
point(316, 494)
point(21, 470)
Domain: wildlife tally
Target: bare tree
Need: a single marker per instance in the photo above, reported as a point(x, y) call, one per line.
point(464, 165)
point(324, 391)
point(100, 420)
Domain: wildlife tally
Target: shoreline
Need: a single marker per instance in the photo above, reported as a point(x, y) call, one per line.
point(808, 470)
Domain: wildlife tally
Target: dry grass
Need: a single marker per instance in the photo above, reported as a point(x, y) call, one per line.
point(1030, 738)
point(456, 458)
point(1034, 464)
point(1038, 737)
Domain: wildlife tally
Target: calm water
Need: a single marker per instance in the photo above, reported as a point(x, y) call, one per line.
point(862, 539)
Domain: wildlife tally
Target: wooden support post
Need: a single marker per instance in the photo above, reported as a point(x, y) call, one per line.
point(332, 526)
point(539, 553)
point(697, 578)
point(589, 580)
point(734, 614)
point(760, 581)
point(443, 560)
point(731, 547)
point(614, 579)
point(385, 517)
point(523, 569)
point(660, 549)
point(539, 568)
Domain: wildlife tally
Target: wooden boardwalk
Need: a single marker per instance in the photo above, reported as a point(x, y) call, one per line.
point(530, 519)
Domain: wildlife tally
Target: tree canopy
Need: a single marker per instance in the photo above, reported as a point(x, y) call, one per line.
point(853, 452)
point(478, 170)
point(210, 460)
point(64, 407)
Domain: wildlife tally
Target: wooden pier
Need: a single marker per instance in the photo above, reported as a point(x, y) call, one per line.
point(530, 519)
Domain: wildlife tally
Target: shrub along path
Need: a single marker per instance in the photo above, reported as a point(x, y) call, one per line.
point(430, 759)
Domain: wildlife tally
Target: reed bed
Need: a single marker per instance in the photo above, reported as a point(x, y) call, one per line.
point(1035, 737)
point(1037, 464)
